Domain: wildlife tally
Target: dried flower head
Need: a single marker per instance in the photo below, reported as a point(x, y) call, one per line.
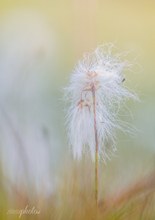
point(99, 74)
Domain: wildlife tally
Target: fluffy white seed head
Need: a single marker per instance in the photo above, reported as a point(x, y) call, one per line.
point(104, 72)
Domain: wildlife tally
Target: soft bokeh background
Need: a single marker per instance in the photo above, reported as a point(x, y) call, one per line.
point(40, 42)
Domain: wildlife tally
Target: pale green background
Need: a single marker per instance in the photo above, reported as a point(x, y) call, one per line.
point(40, 42)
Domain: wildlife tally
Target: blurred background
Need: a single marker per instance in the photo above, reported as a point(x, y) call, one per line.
point(40, 43)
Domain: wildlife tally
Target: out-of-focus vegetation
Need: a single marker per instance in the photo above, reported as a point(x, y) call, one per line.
point(40, 42)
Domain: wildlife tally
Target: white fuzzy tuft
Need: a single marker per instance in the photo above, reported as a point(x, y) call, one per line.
point(105, 72)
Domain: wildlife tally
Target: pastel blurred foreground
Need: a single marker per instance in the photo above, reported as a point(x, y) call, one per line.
point(74, 199)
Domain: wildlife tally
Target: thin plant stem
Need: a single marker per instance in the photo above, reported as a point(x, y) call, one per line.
point(96, 145)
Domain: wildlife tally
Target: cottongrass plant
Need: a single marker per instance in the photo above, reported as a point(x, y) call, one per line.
point(95, 93)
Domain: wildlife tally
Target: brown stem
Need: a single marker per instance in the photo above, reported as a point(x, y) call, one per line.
point(96, 145)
